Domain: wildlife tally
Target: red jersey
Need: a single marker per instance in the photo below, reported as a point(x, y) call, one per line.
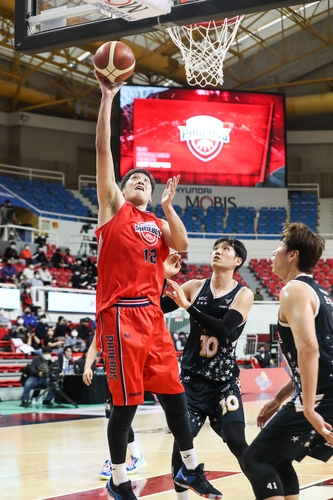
point(131, 252)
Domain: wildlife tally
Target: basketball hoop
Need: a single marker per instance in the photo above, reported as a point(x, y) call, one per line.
point(203, 47)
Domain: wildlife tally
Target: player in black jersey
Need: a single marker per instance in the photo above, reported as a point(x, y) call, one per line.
point(218, 309)
point(303, 426)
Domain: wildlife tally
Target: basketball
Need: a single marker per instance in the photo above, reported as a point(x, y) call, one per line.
point(114, 61)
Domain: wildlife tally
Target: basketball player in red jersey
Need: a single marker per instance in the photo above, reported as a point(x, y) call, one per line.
point(137, 348)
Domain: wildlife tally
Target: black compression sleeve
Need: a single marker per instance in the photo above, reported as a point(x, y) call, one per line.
point(167, 304)
point(221, 328)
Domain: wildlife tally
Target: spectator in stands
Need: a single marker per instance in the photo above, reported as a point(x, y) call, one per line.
point(78, 265)
point(65, 360)
point(68, 259)
point(8, 272)
point(36, 280)
point(39, 257)
point(264, 358)
point(28, 273)
point(33, 341)
point(39, 377)
point(19, 330)
point(180, 343)
point(45, 275)
point(4, 321)
point(7, 213)
point(77, 279)
point(41, 241)
point(11, 252)
point(91, 280)
point(61, 329)
point(54, 282)
point(42, 327)
point(258, 295)
point(86, 262)
point(76, 343)
point(84, 329)
point(26, 298)
point(56, 259)
point(50, 341)
point(29, 318)
point(26, 255)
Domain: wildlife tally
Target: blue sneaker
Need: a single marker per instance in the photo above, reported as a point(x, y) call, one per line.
point(122, 492)
point(196, 481)
point(134, 464)
point(106, 470)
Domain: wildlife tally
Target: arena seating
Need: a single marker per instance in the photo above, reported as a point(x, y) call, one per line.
point(261, 268)
point(304, 208)
point(46, 196)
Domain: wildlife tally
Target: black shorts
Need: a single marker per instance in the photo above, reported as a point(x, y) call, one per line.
point(290, 436)
point(218, 401)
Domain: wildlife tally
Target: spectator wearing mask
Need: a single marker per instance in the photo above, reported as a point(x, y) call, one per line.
point(39, 377)
point(258, 295)
point(26, 255)
point(11, 252)
point(39, 257)
point(264, 358)
point(19, 330)
point(68, 259)
point(8, 272)
point(29, 318)
point(56, 259)
point(33, 341)
point(36, 280)
point(45, 275)
point(41, 241)
point(77, 278)
point(54, 283)
point(42, 327)
point(83, 329)
point(86, 262)
point(26, 299)
point(75, 342)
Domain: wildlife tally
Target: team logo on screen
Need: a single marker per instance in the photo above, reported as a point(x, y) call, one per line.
point(149, 232)
point(205, 136)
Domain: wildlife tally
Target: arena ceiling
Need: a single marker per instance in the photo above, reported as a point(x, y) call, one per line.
point(287, 49)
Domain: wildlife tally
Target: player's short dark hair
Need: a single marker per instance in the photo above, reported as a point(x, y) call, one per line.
point(140, 171)
point(237, 245)
point(298, 236)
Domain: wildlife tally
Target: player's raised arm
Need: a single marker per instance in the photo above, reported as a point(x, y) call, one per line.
point(174, 231)
point(110, 198)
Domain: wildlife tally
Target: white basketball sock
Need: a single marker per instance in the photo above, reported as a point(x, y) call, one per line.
point(181, 495)
point(119, 474)
point(189, 458)
point(134, 450)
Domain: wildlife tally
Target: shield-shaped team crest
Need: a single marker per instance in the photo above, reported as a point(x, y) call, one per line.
point(204, 136)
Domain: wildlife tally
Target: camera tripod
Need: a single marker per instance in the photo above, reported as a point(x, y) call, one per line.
point(60, 395)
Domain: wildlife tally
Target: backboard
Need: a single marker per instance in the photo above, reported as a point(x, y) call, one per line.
point(48, 25)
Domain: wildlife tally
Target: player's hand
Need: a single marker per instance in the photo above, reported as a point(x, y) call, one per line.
point(171, 265)
point(108, 88)
point(322, 427)
point(87, 375)
point(178, 295)
point(266, 412)
point(169, 191)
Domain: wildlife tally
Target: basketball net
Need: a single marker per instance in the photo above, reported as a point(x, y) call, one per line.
point(203, 47)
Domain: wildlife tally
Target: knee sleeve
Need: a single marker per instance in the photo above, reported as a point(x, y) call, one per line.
point(234, 436)
point(175, 408)
point(262, 474)
point(118, 430)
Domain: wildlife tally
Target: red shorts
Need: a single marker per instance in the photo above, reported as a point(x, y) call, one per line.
point(138, 351)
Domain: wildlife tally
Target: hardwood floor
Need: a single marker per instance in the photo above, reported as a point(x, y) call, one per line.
point(62, 456)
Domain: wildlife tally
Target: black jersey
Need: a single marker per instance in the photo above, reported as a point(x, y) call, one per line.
point(324, 332)
point(204, 354)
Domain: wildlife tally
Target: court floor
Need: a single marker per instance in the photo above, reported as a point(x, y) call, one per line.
point(58, 453)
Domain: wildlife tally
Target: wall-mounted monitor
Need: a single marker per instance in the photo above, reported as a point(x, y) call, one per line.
point(209, 137)
point(71, 302)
